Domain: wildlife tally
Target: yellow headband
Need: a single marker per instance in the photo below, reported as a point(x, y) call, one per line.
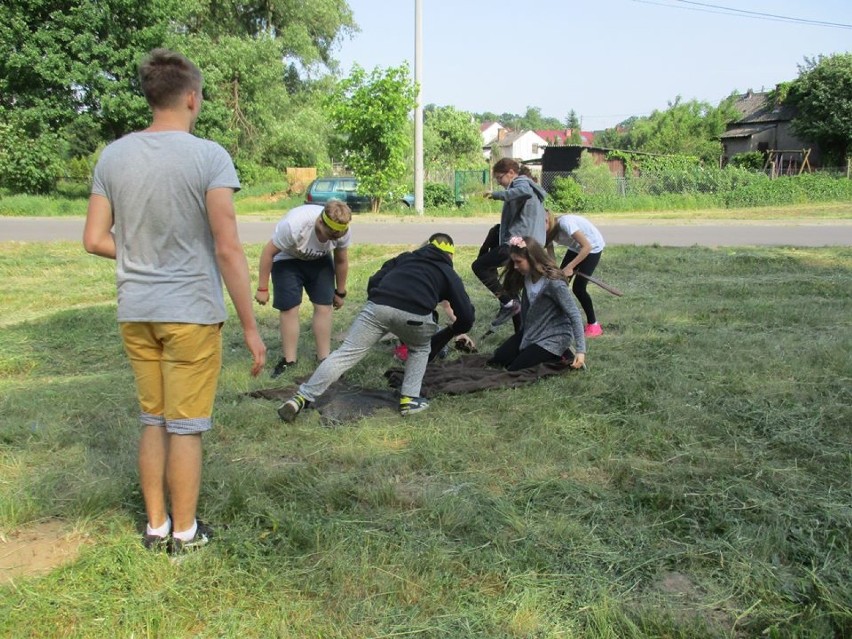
point(446, 247)
point(334, 226)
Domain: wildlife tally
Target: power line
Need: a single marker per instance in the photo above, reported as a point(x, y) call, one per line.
point(743, 13)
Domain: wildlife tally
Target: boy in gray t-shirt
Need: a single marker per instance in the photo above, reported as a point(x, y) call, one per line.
point(162, 207)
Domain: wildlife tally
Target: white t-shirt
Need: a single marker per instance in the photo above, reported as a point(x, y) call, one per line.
point(533, 288)
point(567, 225)
point(295, 235)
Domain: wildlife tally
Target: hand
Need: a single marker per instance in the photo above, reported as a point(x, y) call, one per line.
point(579, 360)
point(568, 271)
point(486, 195)
point(337, 302)
point(258, 351)
point(261, 297)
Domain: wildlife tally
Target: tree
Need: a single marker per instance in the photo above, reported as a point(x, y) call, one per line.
point(450, 139)
point(70, 68)
point(572, 123)
point(370, 111)
point(823, 96)
point(306, 31)
point(686, 128)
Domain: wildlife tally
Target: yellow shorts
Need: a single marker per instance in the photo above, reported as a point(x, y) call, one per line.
point(177, 369)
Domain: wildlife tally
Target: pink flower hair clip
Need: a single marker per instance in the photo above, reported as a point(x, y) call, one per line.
point(517, 241)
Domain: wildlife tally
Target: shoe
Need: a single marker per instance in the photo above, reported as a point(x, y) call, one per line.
point(506, 313)
point(593, 330)
point(155, 542)
point(292, 407)
point(203, 535)
point(280, 367)
point(401, 352)
point(408, 405)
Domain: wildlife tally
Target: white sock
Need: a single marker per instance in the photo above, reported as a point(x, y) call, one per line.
point(509, 304)
point(162, 531)
point(187, 535)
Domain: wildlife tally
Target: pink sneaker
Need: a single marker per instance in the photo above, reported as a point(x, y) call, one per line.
point(593, 330)
point(401, 352)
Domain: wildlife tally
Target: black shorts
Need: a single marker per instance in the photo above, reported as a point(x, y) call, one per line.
point(291, 277)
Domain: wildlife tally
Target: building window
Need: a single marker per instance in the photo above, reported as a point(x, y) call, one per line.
point(535, 148)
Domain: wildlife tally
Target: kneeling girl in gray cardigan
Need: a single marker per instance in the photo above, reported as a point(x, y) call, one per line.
point(552, 325)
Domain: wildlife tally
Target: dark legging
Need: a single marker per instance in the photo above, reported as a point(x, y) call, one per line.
point(492, 256)
point(509, 356)
point(587, 267)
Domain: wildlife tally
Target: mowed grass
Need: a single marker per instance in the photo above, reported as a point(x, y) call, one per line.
point(696, 481)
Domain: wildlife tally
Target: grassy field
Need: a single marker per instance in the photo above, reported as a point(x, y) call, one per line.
point(695, 482)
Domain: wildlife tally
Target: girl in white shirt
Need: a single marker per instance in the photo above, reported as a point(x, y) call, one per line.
point(585, 245)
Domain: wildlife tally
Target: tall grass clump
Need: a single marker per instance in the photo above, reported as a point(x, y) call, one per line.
point(694, 482)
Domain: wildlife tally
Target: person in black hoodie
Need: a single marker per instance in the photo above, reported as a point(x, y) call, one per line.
point(401, 298)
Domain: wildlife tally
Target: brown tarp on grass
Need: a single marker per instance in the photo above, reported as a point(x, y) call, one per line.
point(343, 403)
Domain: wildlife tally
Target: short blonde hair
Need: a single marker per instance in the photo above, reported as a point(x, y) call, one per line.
point(338, 211)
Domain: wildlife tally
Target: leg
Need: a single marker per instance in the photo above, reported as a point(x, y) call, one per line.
point(365, 331)
point(417, 332)
point(492, 240)
point(485, 268)
point(153, 452)
point(318, 276)
point(184, 478)
point(145, 353)
point(580, 286)
point(532, 355)
point(192, 360)
point(321, 326)
point(506, 352)
point(288, 324)
point(287, 285)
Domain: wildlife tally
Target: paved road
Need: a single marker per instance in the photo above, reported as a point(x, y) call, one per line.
point(408, 232)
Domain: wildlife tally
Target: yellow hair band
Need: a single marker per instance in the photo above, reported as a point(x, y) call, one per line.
point(446, 247)
point(334, 226)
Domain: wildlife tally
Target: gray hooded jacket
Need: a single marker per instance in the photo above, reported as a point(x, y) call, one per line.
point(523, 210)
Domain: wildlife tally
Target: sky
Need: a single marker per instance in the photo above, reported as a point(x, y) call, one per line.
point(605, 59)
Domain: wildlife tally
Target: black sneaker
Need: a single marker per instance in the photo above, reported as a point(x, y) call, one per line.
point(280, 367)
point(203, 535)
point(409, 405)
point(155, 542)
point(292, 407)
point(506, 313)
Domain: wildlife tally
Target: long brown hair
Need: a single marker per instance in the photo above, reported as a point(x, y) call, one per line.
point(540, 263)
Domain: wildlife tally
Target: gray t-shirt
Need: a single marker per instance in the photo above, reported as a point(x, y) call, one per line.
point(156, 183)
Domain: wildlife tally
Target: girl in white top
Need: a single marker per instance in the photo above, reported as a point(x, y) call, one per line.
point(585, 244)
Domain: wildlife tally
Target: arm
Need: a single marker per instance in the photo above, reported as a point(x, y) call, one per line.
point(98, 238)
point(585, 249)
point(518, 190)
point(234, 268)
point(341, 271)
point(461, 306)
point(264, 270)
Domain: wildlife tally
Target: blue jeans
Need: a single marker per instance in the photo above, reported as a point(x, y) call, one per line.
point(372, 323)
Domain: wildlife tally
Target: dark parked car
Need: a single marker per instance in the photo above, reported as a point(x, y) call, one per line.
point(344, 189)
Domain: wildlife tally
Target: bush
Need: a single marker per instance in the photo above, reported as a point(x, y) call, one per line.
point(436, 195)
point(29, 165)
point(751, 161)
point(252, 173)
point(567, 195)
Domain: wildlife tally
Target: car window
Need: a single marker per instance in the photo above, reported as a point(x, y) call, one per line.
point(323, 185)
point(347, 186)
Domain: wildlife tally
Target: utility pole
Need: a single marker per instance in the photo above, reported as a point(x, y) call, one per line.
point(418, 107)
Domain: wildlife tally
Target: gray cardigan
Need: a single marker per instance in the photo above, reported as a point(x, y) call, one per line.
point(552, 321)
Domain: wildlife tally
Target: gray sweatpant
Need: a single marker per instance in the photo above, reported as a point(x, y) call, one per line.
point(372, 323)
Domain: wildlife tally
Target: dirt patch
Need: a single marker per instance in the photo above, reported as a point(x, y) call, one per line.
point(38, 549)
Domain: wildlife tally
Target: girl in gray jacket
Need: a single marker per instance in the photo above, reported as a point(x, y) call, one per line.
point(552, 326)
